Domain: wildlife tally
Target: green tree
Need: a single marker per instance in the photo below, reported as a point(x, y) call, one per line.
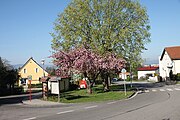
point(3, 73)
point(117, 26)
point(51, 70)
point(103, 25)
point(8, 75)
point(10, 79)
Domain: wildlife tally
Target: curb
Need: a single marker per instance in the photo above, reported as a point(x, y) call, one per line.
point(39, 104)
point(44, 106)
point(133, 95)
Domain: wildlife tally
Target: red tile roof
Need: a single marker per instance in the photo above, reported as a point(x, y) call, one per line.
point(173, 52)
point(149, 68)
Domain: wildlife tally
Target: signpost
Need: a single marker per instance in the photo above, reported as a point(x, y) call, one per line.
point(55, 86)
point(45, 87)
point(58, 79)
point(123, 71)
point(30, 95)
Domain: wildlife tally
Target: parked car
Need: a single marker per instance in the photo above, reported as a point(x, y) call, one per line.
point(114, 80)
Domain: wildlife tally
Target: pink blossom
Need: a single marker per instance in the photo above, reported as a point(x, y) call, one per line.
point(84, 60)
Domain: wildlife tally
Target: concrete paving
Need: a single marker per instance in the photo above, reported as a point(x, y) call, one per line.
point(39, 102)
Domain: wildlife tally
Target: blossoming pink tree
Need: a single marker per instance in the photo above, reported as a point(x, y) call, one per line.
point(108, 64)
point(89, 63)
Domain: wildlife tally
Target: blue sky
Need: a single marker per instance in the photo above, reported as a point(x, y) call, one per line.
point(165, 26)
point(25, 26)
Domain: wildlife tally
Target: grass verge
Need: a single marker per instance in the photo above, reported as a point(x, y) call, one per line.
point(79, 96)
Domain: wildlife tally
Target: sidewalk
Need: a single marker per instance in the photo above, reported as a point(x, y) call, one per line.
point(23, 99)
point(41, 103)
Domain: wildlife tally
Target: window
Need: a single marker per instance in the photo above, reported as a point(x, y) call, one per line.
point(25, 71)
point(36, 70)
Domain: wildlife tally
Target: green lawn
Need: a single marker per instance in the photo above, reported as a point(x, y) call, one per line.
point(78, 96)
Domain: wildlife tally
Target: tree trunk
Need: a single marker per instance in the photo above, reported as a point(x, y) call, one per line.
point(106, 81)
point(89, 86)
point(12, 88)
point(106, 86)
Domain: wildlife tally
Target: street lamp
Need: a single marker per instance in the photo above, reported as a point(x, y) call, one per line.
point(130, 68)
point(42, 62)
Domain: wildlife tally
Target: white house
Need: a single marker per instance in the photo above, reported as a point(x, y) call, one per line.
point(169, 60)
point(149, 71)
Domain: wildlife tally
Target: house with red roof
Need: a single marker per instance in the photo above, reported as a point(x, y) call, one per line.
point(148, 71)
point(169, 61)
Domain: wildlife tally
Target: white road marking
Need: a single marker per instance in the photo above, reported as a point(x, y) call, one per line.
point(169, 89)
point(146, 90)
point(161, 90)
point(154, 90)
point(177, 88)
point(32, 118)
point(65, 112)
point(90, 107)
point(111, 102)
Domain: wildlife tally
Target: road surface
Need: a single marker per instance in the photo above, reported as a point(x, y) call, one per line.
point(155, 103)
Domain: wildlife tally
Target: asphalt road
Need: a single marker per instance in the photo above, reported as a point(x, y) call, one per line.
point(16, 99)
point(157, 102)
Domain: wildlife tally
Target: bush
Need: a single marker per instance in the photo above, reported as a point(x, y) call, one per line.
point(135, 77)
point(5, 91)
point(142, 78)
point(98, 82)
point(18, 90)
point(36, 85)
point(128, 78)
point(174, 77)
point(74, 86)
point(178, 76)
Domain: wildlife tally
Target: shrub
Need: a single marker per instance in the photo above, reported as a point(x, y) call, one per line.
point(98, 82)
point(135, 77)
point(178, 76)
point(18, 90)
point(35, 85)
point(142, 78)
point(74, 86)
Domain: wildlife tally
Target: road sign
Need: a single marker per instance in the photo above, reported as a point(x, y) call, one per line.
point(123, 70)
point(29, 77)
point(58, 72)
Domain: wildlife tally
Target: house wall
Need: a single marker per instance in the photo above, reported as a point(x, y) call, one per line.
point(163, 65)
point(143, 73)
point(176, 66)
point(30, 69)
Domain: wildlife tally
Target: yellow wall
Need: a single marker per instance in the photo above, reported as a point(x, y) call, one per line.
point(31, 67)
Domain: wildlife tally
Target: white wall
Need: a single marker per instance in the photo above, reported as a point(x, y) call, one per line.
point(163, 65)
point(176, 66)
point(143, 73)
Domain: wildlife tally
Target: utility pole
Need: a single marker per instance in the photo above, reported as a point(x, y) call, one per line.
point(42, 62)
point(123, 71)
